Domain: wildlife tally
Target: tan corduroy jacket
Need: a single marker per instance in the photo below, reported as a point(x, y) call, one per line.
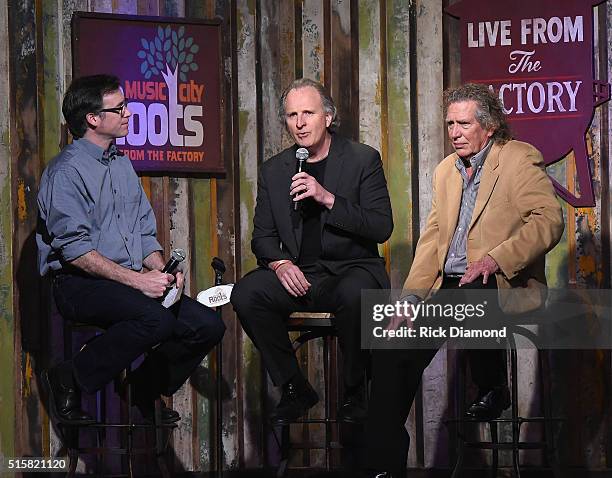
point(517, 219)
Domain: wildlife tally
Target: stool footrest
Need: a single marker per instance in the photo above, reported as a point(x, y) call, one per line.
point(485, 445)
point(307, 421)
point(112, 451)
point(124, 425)
point(316, 446)
point(506, 420)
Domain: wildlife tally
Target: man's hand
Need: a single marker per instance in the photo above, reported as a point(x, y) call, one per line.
point(293, 279)
point(483, 267)
point(398, 319)
point(154, 283)
point(305, 186)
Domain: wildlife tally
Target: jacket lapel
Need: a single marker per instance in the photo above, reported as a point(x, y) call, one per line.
point(487, 182)
point(294, 218)
point(333, 171)
point(454, 190)
point(335, 160)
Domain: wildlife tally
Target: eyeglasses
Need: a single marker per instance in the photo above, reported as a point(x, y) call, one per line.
point(120, 110)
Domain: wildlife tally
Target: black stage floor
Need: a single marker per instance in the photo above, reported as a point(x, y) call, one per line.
point(297, 473)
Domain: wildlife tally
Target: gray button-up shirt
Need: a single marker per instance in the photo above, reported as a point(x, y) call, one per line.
point(456, 258)
point(92, 200)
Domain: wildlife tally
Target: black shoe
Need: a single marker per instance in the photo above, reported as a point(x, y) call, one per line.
point(298, 396)
point(490, 405)
point(354, 409)
point(65, 396)
point(147, 410)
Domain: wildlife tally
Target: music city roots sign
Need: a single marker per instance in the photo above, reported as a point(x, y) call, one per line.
point(170, 71)
point(539, 56)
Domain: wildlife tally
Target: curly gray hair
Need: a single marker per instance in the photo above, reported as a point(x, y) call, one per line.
point(489, 109)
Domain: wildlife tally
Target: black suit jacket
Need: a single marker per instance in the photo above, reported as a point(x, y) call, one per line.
point(350, 231)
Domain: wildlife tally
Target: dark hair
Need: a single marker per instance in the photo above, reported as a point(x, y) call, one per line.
point(328, 103)
point(84, 95)
point(489, 109)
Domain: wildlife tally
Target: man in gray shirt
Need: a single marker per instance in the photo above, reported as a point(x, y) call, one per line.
point(97, 239)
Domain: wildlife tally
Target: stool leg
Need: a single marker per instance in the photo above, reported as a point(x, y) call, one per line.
point(516, 472)
point(326, 372)
point(70, 437)
point(160, 448)
point(460, 454)
point(551, 450)
point(130, 434)
point(73, 464)
point(495, 451)
point(460, 425)
point(100, 432)
point(285, 445)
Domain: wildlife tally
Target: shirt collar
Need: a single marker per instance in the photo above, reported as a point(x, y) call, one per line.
point(96, 152)
point(477, 160)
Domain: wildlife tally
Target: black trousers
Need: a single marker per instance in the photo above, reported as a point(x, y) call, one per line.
point(396, 375)
point(134, 324)
point(263, 306)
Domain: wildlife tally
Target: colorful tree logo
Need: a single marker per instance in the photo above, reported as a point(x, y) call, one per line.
point(170, 47)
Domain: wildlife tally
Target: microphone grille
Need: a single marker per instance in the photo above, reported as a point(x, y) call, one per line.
point(301, 154)
point(178, 255)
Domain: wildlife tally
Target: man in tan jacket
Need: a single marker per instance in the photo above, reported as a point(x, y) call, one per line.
point(493, 218)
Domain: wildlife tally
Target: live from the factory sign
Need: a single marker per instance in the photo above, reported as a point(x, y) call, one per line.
point(538, 56)
point(170, 74)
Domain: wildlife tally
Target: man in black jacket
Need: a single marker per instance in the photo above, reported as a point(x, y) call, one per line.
point(318, 255)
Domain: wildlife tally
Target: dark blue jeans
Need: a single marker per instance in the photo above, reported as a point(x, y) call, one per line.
point(396, 375)
point(135, 323)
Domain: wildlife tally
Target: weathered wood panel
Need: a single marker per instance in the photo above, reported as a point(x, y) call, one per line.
point(226, 226)
point(248, 389)
point(400, 160)
point(343, 79)
point(51, 139)
point(605, 66)
point(398, 152)
point(591, 268)
point(312, 40)
point(429, 82)
point(429, 151)
point(370, 74)
point(25, 171)
point(289, 62)
point(7, 317)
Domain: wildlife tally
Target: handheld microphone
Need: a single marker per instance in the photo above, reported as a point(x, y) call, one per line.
point(176, 257)
point(301, 155)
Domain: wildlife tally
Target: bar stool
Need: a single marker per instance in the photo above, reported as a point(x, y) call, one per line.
point(547, 421)
point(312, 325)
point(69, 434)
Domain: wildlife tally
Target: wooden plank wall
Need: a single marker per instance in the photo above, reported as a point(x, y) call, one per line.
point(8, 391)
point(386, 63)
